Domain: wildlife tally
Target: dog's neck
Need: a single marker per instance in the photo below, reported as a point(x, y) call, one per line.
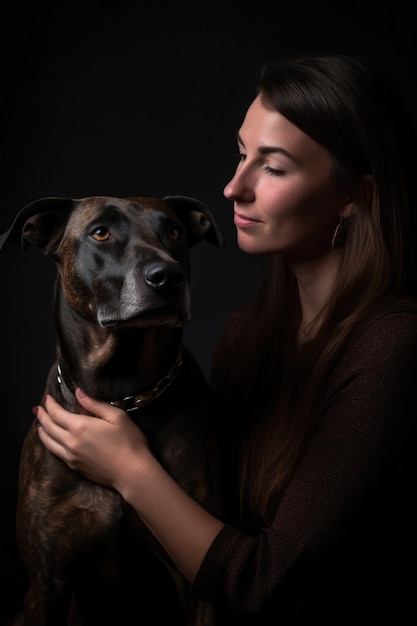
point(129, 366)
point(127, 403)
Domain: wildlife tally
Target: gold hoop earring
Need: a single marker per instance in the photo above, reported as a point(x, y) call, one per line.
point(339, 237)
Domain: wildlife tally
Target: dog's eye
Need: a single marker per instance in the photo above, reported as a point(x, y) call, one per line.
point(174, 233)
point(101, 233)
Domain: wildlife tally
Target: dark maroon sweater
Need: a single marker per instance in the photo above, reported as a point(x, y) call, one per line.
point(341, 548)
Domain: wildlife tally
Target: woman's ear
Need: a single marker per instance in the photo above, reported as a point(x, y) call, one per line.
point(367, 190)
point(348, 210)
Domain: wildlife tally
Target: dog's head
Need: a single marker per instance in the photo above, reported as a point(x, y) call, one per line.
point(122, 261)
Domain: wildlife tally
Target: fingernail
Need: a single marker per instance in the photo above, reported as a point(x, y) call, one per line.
point(35, 411)
point(81, 393)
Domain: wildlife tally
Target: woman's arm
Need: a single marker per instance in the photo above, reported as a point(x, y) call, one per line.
point(111, 450)
point(344, 514)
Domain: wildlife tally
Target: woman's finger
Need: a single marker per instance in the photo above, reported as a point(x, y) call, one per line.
point(104, 410)
point(54, 413)
point(51, 434)
point(49, 418)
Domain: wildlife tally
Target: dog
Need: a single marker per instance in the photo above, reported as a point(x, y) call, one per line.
point(122, 297)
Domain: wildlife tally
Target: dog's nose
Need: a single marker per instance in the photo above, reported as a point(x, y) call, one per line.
point(164, 275)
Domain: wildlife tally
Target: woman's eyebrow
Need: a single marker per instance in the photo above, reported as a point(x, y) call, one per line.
point(269, 149)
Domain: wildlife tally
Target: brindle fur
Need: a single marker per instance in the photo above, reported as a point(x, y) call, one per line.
point(89, 559)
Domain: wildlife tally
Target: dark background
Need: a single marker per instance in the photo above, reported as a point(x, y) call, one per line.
point(142, 98)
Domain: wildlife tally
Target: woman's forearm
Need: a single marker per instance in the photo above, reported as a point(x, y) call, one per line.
point(113, 452)
point(183, 528)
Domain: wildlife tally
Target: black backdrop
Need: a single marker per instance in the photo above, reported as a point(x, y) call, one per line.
point(142, 98)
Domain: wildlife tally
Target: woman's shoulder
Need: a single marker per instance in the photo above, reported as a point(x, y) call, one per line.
point(229, 345)
point(396, 317)
point(376, 371)
point(398, 304)
point(384, 343)
point(235, 326)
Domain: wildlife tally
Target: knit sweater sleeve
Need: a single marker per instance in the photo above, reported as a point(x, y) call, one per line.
point(357, 452)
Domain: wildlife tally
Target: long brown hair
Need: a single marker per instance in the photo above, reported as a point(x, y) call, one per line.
point(347, 106)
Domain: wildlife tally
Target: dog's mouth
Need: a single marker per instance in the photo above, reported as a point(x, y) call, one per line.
point(162, 316)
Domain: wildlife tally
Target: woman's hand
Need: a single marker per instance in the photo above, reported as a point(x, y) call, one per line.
point(111, 450)
point(106, 449)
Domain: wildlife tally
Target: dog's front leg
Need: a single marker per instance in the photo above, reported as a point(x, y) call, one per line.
point(60, 516)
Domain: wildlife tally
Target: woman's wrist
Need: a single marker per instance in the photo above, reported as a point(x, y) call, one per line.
point(138, 474)
point(183, 527)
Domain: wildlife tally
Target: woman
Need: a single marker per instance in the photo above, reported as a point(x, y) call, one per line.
point(315, 378)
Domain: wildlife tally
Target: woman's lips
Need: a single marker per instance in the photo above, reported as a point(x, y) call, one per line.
point(241, 221)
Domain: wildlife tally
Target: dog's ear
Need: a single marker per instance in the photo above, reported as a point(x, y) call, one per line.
point(198, 220)
point(40, 223)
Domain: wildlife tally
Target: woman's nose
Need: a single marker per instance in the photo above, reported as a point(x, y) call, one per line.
point(228, 190)
point(238, 188)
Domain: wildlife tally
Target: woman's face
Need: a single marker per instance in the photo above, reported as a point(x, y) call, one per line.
point(285, 199)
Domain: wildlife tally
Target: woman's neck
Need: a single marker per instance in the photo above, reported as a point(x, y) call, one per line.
point(316, 280)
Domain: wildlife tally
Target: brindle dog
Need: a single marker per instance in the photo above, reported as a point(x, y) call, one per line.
point(122, 297)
